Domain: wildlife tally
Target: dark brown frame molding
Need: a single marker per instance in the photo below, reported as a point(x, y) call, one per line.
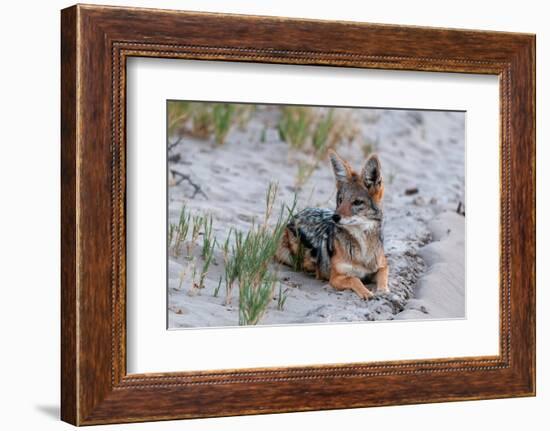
point(95, 43)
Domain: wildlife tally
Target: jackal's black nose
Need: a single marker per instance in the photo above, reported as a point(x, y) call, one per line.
point(336, 218)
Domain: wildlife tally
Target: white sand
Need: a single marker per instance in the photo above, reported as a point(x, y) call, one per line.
point(440, 291)
point(423, 150)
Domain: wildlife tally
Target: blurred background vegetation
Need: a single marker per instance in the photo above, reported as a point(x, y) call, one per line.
point(308, 130)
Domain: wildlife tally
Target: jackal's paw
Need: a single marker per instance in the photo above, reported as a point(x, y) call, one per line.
point(383, 290)
point(364, 293)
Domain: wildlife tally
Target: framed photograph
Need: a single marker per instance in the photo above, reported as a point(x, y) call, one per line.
point(322, 214)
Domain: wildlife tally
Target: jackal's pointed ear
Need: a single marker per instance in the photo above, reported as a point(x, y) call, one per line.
point(341, 168)
point(371, 173)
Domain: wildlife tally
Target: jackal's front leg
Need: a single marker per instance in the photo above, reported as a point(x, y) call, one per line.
point(382, 280)
point(344, 282)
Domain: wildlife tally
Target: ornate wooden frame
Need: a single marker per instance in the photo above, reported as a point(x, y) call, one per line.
point(95, 43)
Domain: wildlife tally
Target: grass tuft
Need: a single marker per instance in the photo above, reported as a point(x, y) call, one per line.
point(222, 115)
point(205, 120)
point(178, 114)
point(281, 297)
point(208, 239)
point(321, 133)
point(294, 125)
point(208, 247)
point(198, 221)
point(253, 254)
point(178, 233)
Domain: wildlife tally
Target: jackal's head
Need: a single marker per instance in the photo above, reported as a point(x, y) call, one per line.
point(359, 195)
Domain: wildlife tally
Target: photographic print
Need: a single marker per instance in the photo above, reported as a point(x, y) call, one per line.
point(287, 214)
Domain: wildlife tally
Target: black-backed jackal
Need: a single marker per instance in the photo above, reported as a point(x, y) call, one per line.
point(344, 246)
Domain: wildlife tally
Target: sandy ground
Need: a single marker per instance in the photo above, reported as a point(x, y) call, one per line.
point(423, 234)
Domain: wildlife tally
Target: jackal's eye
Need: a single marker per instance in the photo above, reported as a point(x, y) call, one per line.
point(357, 202)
